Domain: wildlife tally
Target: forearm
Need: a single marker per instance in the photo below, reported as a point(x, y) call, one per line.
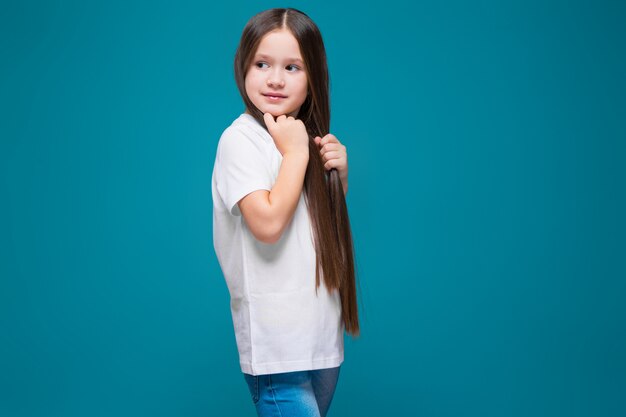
point(284, 196)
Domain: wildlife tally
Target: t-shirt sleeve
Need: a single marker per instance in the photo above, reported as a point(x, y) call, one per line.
point(241, 167)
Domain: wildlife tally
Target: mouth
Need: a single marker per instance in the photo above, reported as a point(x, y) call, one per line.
point(274, 96)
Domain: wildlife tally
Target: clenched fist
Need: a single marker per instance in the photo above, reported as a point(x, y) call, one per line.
point(334, 155)
point(289, 134)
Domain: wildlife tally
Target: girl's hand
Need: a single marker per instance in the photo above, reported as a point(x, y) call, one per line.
point(289, 134)
point(334, 155)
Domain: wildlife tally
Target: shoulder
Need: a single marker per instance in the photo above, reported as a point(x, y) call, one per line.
point(244, 132)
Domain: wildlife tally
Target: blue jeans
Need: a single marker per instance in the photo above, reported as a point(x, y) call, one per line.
point(293, 394)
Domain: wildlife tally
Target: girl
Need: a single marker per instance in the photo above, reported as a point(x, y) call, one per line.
point(280, 222)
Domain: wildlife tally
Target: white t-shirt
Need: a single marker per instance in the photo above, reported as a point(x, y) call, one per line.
point(281, 324)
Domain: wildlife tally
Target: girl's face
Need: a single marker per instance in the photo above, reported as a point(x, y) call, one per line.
point(276, 80)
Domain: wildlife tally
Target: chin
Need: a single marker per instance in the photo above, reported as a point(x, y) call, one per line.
point(276, 112)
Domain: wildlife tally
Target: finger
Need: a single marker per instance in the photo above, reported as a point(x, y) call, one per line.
point(332, 155)
point(269, 120)
point(329, 138)
point(333, 163)
point(281, 118)
point(333, 147)
point(317, 140)
point(330, 147)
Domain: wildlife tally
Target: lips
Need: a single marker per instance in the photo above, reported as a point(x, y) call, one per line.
point(276, 95)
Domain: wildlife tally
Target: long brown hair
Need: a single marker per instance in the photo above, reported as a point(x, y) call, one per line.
point(323, 190)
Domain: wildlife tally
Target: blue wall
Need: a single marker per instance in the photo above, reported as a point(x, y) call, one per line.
point(487, 150)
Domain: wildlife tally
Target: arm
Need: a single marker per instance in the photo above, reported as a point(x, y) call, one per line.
point(267, 213)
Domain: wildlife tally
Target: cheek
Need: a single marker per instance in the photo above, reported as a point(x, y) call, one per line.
point(305, 90)
point(303, 86)
point(251, 81)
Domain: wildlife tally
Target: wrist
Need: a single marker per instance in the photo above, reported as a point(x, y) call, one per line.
point(302, 155)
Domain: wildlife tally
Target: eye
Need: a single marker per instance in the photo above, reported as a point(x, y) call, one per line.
point(260, 64)
point(294, 67)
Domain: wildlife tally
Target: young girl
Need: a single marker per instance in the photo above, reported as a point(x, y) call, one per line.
point(280, 222)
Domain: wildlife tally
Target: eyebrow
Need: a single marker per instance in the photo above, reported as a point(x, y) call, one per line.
point(263, 56)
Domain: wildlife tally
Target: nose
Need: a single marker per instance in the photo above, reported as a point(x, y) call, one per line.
point(275, 80)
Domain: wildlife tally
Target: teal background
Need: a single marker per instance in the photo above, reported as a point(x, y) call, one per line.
point(486, 144)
